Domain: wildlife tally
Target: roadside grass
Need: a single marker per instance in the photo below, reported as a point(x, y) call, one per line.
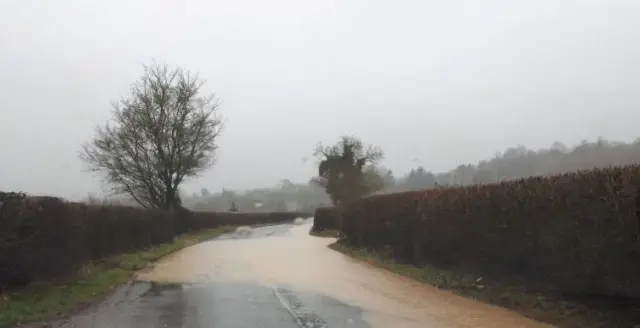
point(559, 310)
point(49, 301)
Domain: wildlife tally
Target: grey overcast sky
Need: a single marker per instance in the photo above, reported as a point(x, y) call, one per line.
point(444, 82)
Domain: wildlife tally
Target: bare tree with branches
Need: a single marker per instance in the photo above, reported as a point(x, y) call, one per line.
point(162, 133)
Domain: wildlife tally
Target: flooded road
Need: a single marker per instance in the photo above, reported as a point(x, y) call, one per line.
point(279, 276)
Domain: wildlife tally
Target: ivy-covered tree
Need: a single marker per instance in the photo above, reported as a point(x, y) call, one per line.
point(341, 169)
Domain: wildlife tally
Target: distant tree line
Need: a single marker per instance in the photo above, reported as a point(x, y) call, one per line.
point(520, 162)
point(370, 178)
point(286, 196)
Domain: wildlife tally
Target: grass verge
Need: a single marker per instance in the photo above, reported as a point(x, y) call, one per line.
point(50, 301)
point(559, 310)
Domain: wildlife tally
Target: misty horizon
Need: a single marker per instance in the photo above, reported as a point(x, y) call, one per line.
point(436, 85)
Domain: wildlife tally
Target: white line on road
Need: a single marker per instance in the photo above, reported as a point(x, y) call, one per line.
point(301, 315)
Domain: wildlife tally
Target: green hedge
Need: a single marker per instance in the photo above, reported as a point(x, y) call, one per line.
point(576, 232)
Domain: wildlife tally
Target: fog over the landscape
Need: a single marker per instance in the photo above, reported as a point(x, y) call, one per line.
point(433, 83)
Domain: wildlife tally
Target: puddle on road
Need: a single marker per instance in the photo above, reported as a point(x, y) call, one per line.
point(287, 255)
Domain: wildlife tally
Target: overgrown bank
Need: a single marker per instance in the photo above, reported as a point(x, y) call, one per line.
point(572, 236)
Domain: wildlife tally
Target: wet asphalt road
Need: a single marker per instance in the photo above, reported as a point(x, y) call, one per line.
point(220, 304)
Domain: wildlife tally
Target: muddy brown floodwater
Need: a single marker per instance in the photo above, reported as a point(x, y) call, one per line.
point(304, 262)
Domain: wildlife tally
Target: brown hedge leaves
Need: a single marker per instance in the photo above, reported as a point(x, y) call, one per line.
point(575, 232)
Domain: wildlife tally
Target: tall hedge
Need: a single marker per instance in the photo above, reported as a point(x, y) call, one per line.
point(576, 232)
point(40, 238)
point(326, 218)
point(45, 238)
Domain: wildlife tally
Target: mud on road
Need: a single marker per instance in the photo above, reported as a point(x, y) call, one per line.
point(280, 276)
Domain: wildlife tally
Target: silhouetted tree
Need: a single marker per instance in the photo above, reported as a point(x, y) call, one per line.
point(341, 168)
point(234, 207)
point(164, 132)
point(287, 184)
